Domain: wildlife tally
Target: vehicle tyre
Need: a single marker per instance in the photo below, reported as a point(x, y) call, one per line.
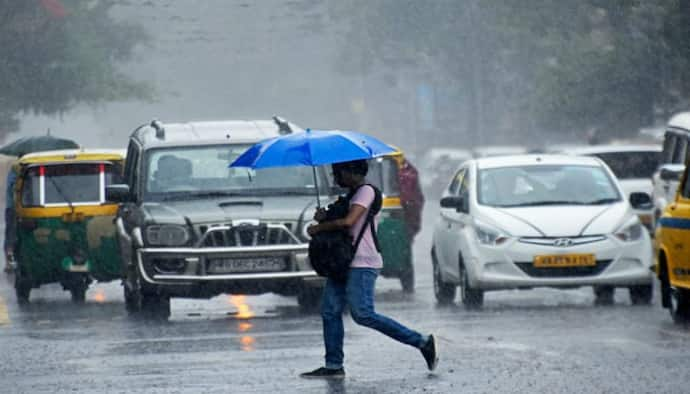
point(471, 298)
point(78, 293)
point(22, 287)
point(680, 305)
point(309, 298)
point(155, 306)
point(603, 295)
point(132, 300)
point(407, 279)
point(641, 295)
point(664, 282)
point(444, 292)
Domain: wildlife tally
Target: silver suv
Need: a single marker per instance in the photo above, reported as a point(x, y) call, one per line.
point(190, 226)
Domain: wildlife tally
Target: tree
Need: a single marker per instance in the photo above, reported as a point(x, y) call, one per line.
point(55, 54)
point(556, 66)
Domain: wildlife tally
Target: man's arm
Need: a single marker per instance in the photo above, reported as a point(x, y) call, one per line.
point(353, 215)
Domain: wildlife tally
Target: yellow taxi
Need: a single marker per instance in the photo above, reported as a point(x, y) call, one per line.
point(672, 248)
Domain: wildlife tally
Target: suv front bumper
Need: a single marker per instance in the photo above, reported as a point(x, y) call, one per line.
point(193, 271)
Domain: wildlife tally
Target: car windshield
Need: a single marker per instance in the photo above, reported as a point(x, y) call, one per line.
point(631, 165)
point(68, 183)
point(545, 185)
point(204, 171)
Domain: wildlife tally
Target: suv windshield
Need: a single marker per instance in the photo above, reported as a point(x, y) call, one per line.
point(631, 165)
point(545, 185)
point(203, 171)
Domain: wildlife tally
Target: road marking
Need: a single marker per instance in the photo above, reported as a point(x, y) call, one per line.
point(4, 316)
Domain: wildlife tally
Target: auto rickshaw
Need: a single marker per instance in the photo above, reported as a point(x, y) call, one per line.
point(65, 231)
point(393, 232)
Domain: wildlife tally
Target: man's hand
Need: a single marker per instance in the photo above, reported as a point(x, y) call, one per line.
point(320, 215)
point(313, 229)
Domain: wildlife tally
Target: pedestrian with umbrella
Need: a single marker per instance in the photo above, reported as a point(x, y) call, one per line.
point(347, 152)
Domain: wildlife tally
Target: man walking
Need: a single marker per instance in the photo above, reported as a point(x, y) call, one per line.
point(358, 291)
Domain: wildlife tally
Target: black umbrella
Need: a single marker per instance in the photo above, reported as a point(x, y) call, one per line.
point(40, 143)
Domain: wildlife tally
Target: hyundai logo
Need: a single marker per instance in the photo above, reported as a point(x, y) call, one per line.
point(563, 242)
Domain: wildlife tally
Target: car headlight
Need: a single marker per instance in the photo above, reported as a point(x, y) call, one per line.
point(630, 231)
point(167, 235)
point(489, 235)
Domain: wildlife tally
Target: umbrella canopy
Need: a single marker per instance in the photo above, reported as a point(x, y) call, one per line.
point(312, 148)
point(41, 143)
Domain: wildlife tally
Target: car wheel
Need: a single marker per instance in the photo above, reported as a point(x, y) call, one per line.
point(444, 292)
point(407, 279)
point(641, 295)
point(603, 295)
point(22, 287)
point(680, 305)
point(309, 298)
point(471, 297)
point(155, 306)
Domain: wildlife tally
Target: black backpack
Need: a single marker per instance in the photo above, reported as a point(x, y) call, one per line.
point(332, 252)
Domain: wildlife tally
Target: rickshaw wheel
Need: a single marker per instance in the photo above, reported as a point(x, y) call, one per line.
point(22, 287)
point(78, 294)
point(407, 279)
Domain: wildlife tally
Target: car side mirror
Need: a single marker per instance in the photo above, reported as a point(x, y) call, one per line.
point(457, 202)
point(118, 193)
point(670, 173)
point(640, 200)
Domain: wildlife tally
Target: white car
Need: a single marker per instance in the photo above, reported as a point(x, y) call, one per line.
point(634, 166)
point(539, 220)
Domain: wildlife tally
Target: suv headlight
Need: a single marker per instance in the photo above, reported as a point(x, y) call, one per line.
point(489, 235)
point(167, 235)
point(630, 231)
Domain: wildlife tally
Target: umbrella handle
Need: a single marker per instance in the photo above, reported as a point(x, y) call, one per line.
point(316, 186)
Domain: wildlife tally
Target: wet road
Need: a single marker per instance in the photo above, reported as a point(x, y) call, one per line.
point(523, 341)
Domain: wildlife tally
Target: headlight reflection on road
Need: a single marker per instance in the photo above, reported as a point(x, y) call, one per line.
point(244, 313)
point(99, 296)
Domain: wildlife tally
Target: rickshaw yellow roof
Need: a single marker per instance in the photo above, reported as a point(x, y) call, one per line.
point(72, 155)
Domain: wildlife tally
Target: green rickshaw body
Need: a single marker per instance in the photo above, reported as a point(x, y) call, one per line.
point(46, 248)
point(65, 231)
point(392, 230)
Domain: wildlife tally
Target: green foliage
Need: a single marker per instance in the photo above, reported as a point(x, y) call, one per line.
point(52, 59)
point(554, 65)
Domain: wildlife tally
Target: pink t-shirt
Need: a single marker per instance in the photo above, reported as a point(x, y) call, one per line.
point(366, 256)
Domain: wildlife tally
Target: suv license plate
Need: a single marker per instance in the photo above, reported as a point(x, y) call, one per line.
point(565, 260)
point(225, 266)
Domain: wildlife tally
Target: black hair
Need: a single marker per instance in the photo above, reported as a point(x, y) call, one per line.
point(357, 167)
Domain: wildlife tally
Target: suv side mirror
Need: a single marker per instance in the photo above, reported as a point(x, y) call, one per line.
point(640, 200)
point(457, 202)
point(671, 172)
point(118, 193)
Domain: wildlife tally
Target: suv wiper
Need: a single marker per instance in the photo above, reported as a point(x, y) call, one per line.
point(601, 201)
point(216, 193)
point(540, 203)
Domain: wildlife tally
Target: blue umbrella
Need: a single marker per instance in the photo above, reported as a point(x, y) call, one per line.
point(312, 148)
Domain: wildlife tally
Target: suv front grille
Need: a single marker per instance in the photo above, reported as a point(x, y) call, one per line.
point(222, 235)
point(559, 272)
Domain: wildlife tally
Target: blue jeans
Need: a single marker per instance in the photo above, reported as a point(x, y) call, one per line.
point(358, 293)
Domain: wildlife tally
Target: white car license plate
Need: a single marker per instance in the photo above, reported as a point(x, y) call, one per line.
point(260, 264)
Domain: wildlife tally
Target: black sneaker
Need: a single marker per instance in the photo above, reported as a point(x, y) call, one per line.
point(430, 353)
point(324, 373)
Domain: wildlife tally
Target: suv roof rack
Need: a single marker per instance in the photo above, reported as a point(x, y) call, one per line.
point(283, 125)
point(160, 130)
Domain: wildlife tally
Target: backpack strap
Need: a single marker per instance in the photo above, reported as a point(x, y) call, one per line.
point(373, 210)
